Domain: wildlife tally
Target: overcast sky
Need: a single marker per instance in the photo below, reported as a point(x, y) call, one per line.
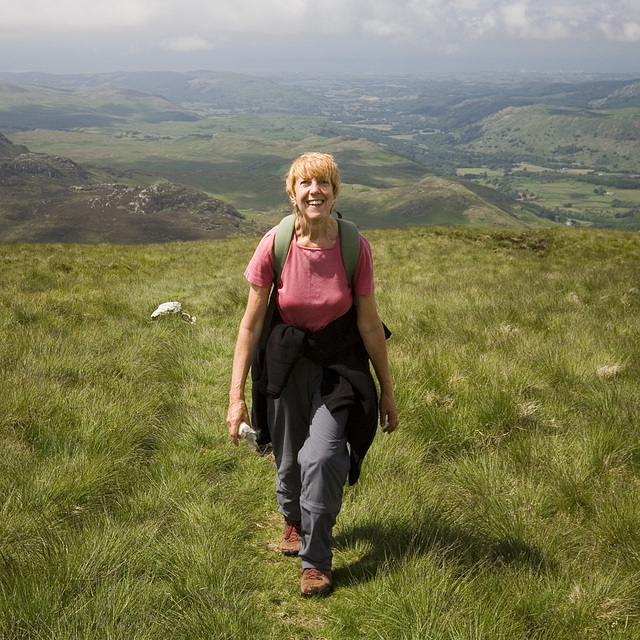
point(308, 36)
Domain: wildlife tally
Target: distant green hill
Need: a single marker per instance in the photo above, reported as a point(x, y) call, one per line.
point(591, 137)
point(452, 105)
point(625, 97)
point(35, 107)
point(144, 96)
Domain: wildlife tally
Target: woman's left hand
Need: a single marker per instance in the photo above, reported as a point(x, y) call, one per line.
point(388, 414)
point(372, 332)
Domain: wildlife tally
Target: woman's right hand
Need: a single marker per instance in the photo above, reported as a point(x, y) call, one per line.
point(236, 414)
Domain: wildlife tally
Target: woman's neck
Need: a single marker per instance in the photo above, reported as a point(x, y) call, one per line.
point(321, 233)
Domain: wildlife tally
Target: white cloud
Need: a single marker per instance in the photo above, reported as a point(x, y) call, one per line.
point(631, 32)
point(586, 20)
point(185, 27)
point(304, 29)
point(514, 16)
point(72, 15)
point(466, 5)
point(621, 21)
point(382, 28)
point(188, 43)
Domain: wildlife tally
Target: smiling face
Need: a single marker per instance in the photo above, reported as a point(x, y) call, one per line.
point(313, 197)
point(313, 184)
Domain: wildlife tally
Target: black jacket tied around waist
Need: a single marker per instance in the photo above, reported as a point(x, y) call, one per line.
point(347, 382)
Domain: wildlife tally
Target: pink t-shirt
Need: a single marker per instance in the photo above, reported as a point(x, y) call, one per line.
point(313, 287)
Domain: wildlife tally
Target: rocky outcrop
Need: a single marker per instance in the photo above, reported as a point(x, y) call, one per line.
point(166, 198)
point(53, 199)
point(22, 168)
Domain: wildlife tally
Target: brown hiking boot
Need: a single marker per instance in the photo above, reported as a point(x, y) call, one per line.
point(291, 539)
point(315, 582)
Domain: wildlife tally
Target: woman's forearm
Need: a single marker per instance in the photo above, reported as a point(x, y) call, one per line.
point(375, 343)
point(246, 346)
point(373, 336)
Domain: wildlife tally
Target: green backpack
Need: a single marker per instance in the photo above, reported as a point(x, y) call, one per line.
point(349, 250)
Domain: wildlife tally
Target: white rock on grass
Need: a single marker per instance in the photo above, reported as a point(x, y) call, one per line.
point(167, 307)
point(608, 371)
point(172, 307)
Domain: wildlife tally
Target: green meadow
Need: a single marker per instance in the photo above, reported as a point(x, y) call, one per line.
point(579, 199)
point(505, 507)
point(563, 193)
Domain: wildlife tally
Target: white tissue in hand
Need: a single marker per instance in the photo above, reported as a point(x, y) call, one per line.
point(246, 432)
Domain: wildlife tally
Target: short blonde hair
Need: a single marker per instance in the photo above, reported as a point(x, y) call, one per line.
point(320, 166)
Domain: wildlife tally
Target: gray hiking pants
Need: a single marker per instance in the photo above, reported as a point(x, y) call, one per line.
point(312, 460)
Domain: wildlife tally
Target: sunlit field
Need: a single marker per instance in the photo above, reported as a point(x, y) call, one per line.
point(505, 507)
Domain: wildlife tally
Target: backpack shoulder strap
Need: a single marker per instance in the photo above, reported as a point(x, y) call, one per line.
point(349, 247)
point(281, 244)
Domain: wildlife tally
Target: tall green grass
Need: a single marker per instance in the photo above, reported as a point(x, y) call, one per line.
point(506, 506)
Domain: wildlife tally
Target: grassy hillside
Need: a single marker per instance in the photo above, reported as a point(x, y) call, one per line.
point(8, 149)
point(593, 138)
point(27, 107)
point(505, 506)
